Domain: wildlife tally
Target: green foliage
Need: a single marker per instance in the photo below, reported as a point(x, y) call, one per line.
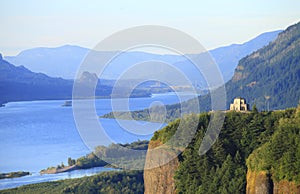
point(254, 109)
point(71, 161)
point(125, 156)
point(144, 115)
point(89, 161)
point(281, 155)
point(223, 168)
point(114, 155)
point(107, 182)
point(270, 75)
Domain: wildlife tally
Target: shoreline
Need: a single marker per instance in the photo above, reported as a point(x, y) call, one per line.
point(36, 177)
point(59, 170)
point(11, 175)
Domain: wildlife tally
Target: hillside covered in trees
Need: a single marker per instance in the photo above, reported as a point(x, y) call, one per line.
point(270, 74)
point(255, 141)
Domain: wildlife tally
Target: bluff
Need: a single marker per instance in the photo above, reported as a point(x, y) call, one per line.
point(256, 152)
point(274, 166)
point(262, 183)
point(161, 178)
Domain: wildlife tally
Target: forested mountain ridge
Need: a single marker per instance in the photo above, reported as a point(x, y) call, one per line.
point(272, 73)
point(223, 169)
point(227, 57)
point(269, 77)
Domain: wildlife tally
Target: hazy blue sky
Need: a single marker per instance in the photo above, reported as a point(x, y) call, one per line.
point(32, 23)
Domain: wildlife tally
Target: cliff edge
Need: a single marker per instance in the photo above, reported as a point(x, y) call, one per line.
point(160, 167)
point(262, 183)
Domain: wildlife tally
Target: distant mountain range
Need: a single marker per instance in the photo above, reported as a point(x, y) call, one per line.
point(228, 57)
point(64, 61)
point(255, 84)
point(21, 84)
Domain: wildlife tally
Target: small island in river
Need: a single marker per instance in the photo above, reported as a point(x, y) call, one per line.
point(13, 174)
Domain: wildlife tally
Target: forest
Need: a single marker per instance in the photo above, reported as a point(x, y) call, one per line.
point(257, 141)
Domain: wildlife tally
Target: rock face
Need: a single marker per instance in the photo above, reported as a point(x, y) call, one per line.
point(258, 183)
point(286, 187)
point(159, 175)
point(261, 183)
point(160, 168)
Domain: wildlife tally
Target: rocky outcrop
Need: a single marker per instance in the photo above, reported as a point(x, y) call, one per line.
point(160, 167)
point(261, 183)
point(286, 187)
point(258, 183)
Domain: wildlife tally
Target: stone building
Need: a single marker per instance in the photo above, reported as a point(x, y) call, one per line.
point(239, 104)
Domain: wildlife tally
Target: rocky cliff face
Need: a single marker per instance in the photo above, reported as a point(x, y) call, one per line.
point(160, 167)
point(261, 183)
point(161, 179)
point(286, 187)
point(258, 183)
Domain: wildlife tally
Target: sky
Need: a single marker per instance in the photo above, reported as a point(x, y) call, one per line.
point(214, 23)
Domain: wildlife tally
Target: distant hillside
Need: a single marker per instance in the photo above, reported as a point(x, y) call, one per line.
point(272, 73)
point(269, 77)
point(64, 61)
point(18, 83)
point(228, 57)
point(56, 62)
